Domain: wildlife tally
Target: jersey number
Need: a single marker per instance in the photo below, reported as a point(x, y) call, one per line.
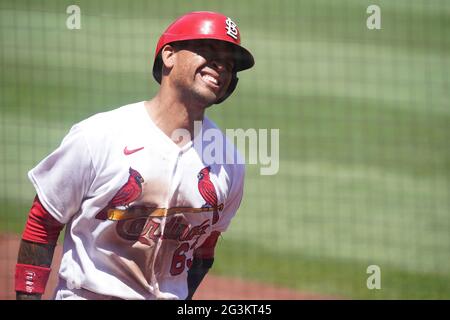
point(179, 260)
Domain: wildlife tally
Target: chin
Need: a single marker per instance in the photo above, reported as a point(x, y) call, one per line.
point(206, 97)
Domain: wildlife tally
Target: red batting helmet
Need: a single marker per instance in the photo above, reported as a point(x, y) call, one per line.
point(205, 25)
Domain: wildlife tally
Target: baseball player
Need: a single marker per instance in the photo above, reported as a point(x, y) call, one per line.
point(142, 210)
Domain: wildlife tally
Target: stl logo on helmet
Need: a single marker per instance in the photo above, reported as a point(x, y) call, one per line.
point(231, 27)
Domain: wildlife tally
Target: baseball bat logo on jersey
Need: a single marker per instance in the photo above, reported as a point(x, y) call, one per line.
point(128, 193)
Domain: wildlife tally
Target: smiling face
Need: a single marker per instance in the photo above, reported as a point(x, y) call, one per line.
point(201, 69)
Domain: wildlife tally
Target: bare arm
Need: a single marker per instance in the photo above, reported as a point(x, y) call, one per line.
point(37, 254)
point(196, 273)
point(203, 261)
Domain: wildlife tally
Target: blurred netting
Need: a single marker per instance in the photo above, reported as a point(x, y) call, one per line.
point(364, 120)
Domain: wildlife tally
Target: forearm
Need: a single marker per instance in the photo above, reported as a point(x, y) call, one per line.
point(36, 254)
point(196, 273)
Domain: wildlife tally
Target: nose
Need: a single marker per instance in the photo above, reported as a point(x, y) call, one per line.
point(218, 65)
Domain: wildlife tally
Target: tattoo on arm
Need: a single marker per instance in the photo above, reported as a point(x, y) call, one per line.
point(37, 254)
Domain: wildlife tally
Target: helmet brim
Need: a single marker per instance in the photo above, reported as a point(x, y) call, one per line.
point(243, 58)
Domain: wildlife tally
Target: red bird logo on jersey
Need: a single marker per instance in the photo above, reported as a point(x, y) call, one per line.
point(128, 193)
point(208, 192)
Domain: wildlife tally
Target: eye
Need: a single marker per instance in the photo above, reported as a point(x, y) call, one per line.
point(229, 65)
point(203, 52)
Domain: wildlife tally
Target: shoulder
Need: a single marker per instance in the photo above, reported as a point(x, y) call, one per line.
point(103, 132)
point(105, 128)
point(113, 120)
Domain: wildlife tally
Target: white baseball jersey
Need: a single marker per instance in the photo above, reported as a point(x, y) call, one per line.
point(136, 205)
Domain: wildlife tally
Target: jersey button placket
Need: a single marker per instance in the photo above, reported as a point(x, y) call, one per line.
point(172, 185)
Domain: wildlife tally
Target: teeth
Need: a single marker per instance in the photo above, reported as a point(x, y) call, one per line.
point(209, 78)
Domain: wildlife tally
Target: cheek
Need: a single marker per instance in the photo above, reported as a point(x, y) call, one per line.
point(186, 64)
point(227, 81)
point(184, 73)
point(192, 65)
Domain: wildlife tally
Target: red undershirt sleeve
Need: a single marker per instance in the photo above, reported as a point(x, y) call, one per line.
point(41, 227)
point(206, 250)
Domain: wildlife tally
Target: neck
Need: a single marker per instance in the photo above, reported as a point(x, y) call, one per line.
point(170, 114)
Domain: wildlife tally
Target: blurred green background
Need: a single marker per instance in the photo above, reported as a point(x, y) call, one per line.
point(364, 119)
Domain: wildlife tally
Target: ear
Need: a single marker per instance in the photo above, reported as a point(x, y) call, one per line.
point(168, 56)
